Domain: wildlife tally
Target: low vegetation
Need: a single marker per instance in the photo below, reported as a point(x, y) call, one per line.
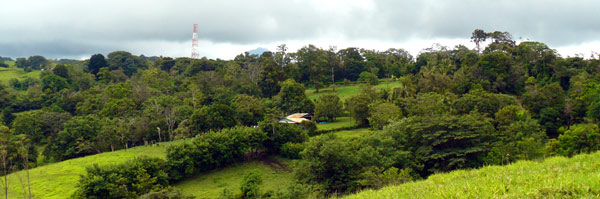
point(557, 177)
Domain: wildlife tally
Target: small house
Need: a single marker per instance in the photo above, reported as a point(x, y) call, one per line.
point(296, 118)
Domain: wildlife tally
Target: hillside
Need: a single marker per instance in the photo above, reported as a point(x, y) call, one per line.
point(58, 180)
point(557, 177)
point(12, 72)
point(346, 91)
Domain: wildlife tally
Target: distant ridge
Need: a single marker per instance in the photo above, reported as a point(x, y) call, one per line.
point(258, 51)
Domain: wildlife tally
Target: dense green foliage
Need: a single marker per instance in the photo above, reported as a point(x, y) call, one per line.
point(557, 177)
point(445, 109)
point(128, 180)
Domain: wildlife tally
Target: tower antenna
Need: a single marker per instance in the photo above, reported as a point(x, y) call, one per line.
point(195, 42)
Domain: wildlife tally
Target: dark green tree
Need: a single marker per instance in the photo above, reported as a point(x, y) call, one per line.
point(328, 107)
point(96, 62)
point(292, 98)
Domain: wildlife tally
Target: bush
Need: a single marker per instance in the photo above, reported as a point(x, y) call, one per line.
point(580, 138)
point(292, 150)
point(382, 114)
point(128, 180)
point(368, 78)
point(279, 134)
point(309, 126)
point(208, 151)
point(250, 186)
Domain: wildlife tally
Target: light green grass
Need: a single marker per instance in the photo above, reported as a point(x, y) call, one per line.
point(211, 184)
point(12, 72)
point(58, 180)
point(339, 122)
point(346, 91)
point(349, 134)
point(355, 133)
point(558, 177)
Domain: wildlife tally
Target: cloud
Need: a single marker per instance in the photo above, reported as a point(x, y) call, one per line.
point(71, 28)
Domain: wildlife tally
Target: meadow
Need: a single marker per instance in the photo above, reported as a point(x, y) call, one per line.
point(12, 72)
point(556, 177)
point(346, 91)
point(59, 180)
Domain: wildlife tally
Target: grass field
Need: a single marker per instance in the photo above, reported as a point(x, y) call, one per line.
point(12, 72)
point(346, 91)
point(557, 177)
point(355, 133)
point(211, 184)
point(339, 122)
point(58, 180)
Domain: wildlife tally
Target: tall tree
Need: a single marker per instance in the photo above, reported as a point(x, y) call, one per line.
point(313, 63)
point(96, 62)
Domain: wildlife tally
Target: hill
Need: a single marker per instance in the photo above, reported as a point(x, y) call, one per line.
point(346, 91)
point(12, 72)
point(557, 177)
point(58, 180)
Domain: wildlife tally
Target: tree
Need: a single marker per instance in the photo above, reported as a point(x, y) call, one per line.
point(61, 70)
point(444, 142)
point(292, 98)
point(4, 157)
point(328, 107)
point(79, 138)
point(270, 77)
point(478, 36)
point(54, 83)
point(250, 186)
point(249, 109)
point(213, 117)
point(382, 114)
point(329, 163)
point(312, 62)
point(358, 106)
point(369, 78)
point(352, 63)
point(125, 61)
point(96, 62)
point(580, 138)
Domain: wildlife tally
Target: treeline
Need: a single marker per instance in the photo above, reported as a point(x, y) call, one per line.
point(454, 108)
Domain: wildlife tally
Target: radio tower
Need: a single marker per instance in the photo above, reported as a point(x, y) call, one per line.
point(195, 42)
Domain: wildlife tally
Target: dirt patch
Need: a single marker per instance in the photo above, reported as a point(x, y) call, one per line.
point(275, 164)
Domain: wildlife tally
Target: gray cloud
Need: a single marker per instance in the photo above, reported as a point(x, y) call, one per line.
point(70, 28)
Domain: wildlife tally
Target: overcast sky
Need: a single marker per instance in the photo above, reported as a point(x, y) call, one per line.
point(80, 28)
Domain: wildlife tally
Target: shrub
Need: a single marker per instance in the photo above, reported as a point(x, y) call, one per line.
point(368, 78)
point(128, 180)
point(207, 151)
point(309, 126)
point(382, 114)
point(580, 138)
point(250, 186)
point(291, 150)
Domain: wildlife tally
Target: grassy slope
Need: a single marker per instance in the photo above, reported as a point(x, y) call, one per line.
point(211, 184)
point(58, 180)
point(338, 123)
point(558, 177)
point(347, 91)
point(12, 72)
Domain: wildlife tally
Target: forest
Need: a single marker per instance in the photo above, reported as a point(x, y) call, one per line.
point(450, 108)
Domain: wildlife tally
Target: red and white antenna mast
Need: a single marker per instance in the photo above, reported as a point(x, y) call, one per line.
point(195, 42)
